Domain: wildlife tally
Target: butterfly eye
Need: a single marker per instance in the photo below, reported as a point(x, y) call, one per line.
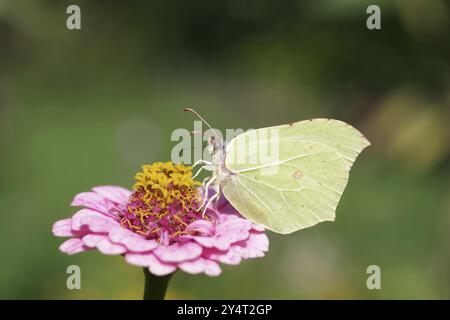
point(211, 140)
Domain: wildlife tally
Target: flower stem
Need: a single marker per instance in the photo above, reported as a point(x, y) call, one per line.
point(155, 287)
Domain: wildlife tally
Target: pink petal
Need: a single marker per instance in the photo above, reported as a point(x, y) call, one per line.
point(131, 240)
point(258, 228)
point(226, 209)
point(259, 241)
point(207, 242)
point(91, 200)
point(113, 193)
point(254, 246)
point(212, 268)
point(76, 218)
point(202, 226)
point(221, 244)
point(193, 267)
point(96, 221)
point(107, 247)
point(91, 240)
point(233, 230)
point(160, 269)
point(98, 224)
point(165, 238)
point(200, 265)
point(139, 259)
point(63, 228)
point(72, 246)
point(231, 256)
point(155, 266)
point(178, 252)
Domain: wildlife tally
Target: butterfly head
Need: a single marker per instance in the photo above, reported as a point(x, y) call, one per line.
point(215, 143)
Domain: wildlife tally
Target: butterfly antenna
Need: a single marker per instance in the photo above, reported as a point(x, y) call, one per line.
point(197, 132)
point(201, 118)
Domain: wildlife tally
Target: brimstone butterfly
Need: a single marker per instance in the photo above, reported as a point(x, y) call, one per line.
point(298, 188)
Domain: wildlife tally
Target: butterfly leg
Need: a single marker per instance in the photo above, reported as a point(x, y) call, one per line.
point(204, 181)
point(214, 197)
point(201, 161)
point(219, 194)
point(209, 168)
point(206, 188)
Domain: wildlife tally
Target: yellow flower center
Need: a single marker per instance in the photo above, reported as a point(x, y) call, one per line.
point(165, 200)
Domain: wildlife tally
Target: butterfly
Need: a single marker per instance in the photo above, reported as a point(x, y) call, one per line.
point(298, 186)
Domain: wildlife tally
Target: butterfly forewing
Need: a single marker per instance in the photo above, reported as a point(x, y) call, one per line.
point(291, 177)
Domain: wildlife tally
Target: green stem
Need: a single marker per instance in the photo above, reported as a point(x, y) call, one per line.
point(155, 287)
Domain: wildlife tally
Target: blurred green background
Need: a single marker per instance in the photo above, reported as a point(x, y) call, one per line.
point(86, 108)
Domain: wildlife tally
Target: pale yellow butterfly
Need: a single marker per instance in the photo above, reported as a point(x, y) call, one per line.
point(298, 187)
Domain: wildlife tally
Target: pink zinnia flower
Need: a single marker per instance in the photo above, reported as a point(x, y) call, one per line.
point(160, 225)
